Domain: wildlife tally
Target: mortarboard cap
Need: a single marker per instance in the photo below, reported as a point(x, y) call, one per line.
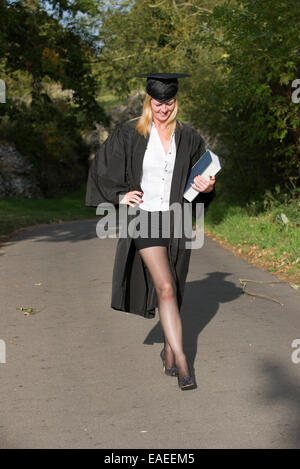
point(162, 86)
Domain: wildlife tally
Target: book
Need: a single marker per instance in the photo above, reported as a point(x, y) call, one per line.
point(207, 165)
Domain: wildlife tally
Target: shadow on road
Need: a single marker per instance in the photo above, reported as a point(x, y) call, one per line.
point(72, 231)
point(282, 389)
point(200, 304)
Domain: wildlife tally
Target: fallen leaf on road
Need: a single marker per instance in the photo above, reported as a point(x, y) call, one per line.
point(28, 311)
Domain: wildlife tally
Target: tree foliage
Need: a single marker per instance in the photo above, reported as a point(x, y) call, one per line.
point(243, 56)
point(261, 124)
point(40, 49)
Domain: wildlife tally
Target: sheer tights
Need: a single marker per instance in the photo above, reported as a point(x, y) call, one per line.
point(157, 262)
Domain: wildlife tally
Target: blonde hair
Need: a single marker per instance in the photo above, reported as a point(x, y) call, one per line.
point(145, 121)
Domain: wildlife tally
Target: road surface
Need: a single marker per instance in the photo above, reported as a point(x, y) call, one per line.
point(81, 375)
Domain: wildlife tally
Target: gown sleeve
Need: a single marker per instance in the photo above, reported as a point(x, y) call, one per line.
point(204, 197)
point(107, 181)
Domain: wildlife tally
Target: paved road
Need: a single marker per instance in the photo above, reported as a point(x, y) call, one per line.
point(81, 375)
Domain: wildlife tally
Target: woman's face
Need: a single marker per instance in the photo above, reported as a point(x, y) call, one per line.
point(162, 111)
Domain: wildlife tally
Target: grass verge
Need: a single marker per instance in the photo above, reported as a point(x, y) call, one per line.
point(263, 239)
point(19, 213)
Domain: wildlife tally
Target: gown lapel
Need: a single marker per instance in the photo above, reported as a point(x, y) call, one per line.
point(138, 158)
point(178, 166)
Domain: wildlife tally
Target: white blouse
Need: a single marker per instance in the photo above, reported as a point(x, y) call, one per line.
point(157, 173)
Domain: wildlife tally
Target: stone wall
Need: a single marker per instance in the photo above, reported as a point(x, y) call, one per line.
point(17, 177)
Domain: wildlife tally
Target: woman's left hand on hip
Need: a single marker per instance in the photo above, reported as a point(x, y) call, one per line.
point(202, 185)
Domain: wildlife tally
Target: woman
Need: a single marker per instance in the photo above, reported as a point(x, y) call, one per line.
point(147, 162)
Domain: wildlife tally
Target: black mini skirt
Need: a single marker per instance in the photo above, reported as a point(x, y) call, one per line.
point(151, 230)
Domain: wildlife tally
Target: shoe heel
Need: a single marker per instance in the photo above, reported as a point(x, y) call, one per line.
point(168, 371)
point(163, 360)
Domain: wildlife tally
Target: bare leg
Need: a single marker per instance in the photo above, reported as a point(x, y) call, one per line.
point(156, 260)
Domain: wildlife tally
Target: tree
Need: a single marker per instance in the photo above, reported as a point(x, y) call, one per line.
point(41, 48)
point(243, 56)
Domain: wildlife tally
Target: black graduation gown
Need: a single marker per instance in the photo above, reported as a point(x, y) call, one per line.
point(117, 169)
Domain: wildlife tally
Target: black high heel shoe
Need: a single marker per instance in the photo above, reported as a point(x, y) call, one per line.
point(186, 382)
point(168, 371)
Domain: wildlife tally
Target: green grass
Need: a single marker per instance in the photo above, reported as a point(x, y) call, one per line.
point(259, 237)
point(109, 101)
point(16, 213)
